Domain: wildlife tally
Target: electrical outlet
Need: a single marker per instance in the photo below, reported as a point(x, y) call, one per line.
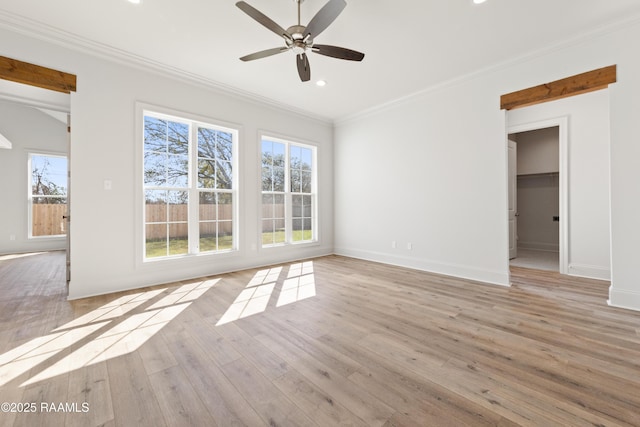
point(393, 245)
point(409, 246)
point(12, 237)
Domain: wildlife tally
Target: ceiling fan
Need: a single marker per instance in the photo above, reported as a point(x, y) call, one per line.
point(300, 39)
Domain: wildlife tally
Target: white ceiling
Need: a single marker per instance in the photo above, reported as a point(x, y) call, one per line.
point(410, 45)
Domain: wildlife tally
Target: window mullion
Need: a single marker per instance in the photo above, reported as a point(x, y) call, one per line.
point(194, 194)
point(288, 211)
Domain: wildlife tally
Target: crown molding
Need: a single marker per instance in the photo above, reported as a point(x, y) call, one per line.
point(526, 57)
point(41, 31)
point(47, 33)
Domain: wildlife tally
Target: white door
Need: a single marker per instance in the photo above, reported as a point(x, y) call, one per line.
point(513, 200)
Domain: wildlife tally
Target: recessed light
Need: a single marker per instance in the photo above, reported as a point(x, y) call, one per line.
point(321, 83)
point(135, 1)
point(479, 1)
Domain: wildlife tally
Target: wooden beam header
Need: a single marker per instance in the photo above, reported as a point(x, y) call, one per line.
point(575, 85)
point(35, 75)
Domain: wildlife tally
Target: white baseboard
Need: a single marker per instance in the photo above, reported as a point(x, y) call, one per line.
point(589, 271)
point(174, 270)
point(624, 299)
point(454, 270)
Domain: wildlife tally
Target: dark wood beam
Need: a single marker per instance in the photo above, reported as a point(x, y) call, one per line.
point(574, 85)
point(35, 75)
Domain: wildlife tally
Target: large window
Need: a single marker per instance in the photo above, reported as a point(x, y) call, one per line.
point(189, 186)
point(47, 195)
point(288, 192)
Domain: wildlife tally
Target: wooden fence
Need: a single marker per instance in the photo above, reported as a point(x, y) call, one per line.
point(179, 215)
point(46, 219)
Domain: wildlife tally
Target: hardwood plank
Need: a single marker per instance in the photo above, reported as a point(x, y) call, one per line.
point(377, 345)
point(314, 402)
point(156, 356)
point(217, 392)
point(267, 362)
point(90, 385)
point(570, 86)
point(47, 396)
point(10, 395)
point(300, 345)
point(179, 403)
point(414, 397)
point(134, 400)
point(35, 75)
point(370, 409)
point(220, 349)
point(269, 402)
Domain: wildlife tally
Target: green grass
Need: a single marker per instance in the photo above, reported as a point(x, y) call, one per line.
point(278, 237)
point(158, 248)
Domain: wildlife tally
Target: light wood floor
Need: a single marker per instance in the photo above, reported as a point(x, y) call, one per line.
point(376, 346)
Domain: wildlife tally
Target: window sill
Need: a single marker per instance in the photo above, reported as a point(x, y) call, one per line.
point(39, 238)
point(169, 259)
point(290, 245)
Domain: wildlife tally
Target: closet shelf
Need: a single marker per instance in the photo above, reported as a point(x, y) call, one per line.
point(538, 175)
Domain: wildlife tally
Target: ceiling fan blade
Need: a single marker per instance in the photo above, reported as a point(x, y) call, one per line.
point(263, 19)
point(264, 53)
point(324, 17)
point(338, 52)
point(304, 71)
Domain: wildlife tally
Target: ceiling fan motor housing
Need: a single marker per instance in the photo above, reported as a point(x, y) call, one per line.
point(298, 43)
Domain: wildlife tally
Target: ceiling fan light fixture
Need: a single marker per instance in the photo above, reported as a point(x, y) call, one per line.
point(300, 39)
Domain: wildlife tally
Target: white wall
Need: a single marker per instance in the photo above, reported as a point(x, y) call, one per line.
point(430, 172)
point(538, 151)
point(29, 130)
point(438, 159)
point(588, 177)
point(538, 202)
point(106, 226)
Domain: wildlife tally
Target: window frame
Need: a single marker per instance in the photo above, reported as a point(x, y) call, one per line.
point(30, 195)
point(288, 194)
point(192, 188)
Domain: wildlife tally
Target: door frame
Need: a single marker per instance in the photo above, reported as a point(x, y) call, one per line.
point(513, 197)
point(563, 133)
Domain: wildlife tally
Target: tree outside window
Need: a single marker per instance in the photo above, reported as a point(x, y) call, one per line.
point(288, 192)
point(189, 187)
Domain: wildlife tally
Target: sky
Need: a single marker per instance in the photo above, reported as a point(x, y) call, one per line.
point(56, 170)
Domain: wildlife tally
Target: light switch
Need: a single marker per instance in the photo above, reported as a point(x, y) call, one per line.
point(107, 184)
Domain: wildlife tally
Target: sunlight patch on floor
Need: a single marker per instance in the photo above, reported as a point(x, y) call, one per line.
point(299, 284)
point(254, 298)
point(117, 332)
point(15, 256)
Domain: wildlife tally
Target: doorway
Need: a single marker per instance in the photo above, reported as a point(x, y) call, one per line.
point(35, 121)
point(538, 195)
point(536, 199)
